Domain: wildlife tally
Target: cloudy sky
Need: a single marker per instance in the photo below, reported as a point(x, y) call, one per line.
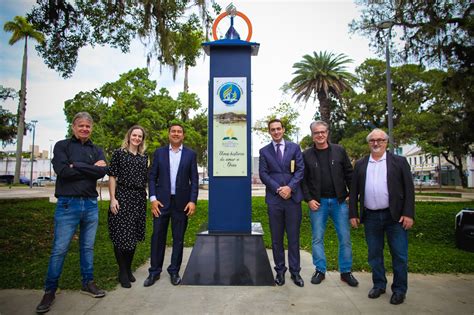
point(286, 30)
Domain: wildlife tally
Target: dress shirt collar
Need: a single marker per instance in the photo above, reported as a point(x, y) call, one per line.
point(88, 142)
point(180, 148)
point(383, 158)
point(282, 142)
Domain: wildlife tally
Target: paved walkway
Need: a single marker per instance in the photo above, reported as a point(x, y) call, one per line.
point(428, 294)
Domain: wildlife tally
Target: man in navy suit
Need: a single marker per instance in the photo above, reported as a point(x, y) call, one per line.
point(173, 186)
point(383, 187)
point(281, 170)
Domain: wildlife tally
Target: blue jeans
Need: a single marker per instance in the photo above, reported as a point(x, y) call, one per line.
point(376, 225)
point(71, 212)
point(339, 213)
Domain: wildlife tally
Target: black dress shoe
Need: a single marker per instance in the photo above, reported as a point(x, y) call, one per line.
point(280, 279)
point(46, 302)
point(297, 279)
point(151, 280)
point(130, 276)
point(348, 278)
point(175, 279)
point(375, 293)
point(317, 277)
point(397, 298)
point(124, 280)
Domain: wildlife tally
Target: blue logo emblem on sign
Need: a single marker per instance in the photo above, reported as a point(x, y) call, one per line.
point(230, 93)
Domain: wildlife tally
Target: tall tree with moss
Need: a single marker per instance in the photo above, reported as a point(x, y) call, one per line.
point(71, 25)
point(323, 76)
point(21, 30)
point(187, 40)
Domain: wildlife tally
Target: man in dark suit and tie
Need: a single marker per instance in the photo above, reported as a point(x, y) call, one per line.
point(383, 187)
point(281, 170)
point(173, 186)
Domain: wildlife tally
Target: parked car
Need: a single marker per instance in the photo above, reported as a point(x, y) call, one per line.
point(44, 180)
point(8, 179)
point(204, 181)
point(417, 182)
point(430, 182)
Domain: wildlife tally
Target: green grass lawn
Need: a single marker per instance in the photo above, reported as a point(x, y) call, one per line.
point(26, 232)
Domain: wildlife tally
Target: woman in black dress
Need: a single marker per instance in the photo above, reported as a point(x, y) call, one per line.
point(127, 186)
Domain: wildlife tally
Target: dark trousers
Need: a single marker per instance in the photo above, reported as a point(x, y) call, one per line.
point(285, 216)
point(179, 223)
point(377, 224)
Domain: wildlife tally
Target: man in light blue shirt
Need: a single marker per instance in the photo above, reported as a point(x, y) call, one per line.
point(173, 186)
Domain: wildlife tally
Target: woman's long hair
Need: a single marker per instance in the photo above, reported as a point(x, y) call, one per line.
point(126, 141)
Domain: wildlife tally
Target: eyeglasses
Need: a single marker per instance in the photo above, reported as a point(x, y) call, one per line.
point(319, 133)
point(372, 141)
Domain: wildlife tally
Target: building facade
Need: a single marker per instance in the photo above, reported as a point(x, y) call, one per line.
point(434, 170)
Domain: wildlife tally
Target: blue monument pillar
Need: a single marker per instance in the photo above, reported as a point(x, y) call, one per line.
point(230, 137)
point(231, 250)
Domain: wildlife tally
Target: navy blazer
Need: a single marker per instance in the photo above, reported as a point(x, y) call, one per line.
point(186, 179)
point(274, 175)
point(401, 191)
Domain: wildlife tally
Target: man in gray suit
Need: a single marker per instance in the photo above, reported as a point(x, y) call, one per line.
point(383, 187)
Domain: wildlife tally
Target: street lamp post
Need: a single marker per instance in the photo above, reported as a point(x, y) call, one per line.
point(388, 25)
point(32, 152)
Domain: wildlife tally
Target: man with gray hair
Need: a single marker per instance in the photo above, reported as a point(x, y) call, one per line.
point(78, 164)
point(327, 177)
point(382, 186)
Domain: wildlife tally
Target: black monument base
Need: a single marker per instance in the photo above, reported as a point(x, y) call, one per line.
point(229, 259)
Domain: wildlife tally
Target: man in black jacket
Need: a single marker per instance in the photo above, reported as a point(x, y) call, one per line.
point(383, 186)
point(328, 173)
point(79, 164)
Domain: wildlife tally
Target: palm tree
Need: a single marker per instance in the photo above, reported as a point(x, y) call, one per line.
point(21, 29)
point(323, 76)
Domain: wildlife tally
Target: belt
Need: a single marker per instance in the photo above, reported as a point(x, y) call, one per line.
point(384, 209)
point(172, 197)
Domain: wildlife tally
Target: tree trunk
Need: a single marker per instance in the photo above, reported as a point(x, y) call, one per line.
point(324, 107)
point(185, 111)
point(458, 165)
point(21, 115)
point(186, 83)
point(460, 169)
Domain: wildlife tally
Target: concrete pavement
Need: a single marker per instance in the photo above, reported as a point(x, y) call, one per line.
point(427, 294)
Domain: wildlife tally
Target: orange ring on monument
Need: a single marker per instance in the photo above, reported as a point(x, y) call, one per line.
point(223, 15)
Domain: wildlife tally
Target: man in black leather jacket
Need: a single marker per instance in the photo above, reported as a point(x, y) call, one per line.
point(327, 178)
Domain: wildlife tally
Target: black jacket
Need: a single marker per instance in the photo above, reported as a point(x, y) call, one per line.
point(80, 180)
point(341, 172)
point(401, 191)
